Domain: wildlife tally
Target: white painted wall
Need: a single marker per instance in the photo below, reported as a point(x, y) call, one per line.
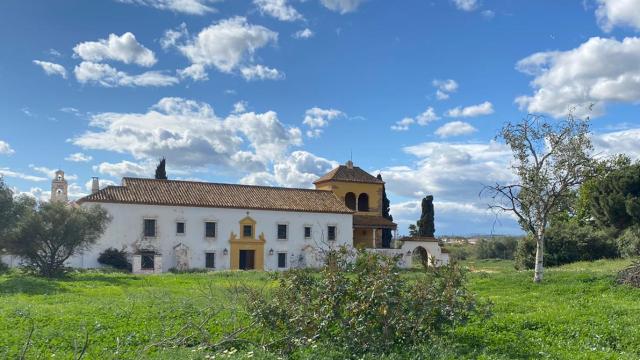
point(126, 230)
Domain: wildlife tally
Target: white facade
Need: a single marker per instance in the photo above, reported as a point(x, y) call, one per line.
point(126, 230)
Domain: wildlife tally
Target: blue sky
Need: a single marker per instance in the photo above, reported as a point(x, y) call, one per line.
point(278, 92)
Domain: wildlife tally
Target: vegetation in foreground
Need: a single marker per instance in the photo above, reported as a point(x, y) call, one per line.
point(578, 313)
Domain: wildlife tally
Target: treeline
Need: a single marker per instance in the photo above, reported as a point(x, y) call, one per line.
point(600, 220)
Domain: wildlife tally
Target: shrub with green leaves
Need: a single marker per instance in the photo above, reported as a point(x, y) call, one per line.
point(629, 242)
point(363, 308)
point(115, 258)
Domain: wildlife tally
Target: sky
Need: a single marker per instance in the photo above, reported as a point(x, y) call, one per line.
point(278, 92)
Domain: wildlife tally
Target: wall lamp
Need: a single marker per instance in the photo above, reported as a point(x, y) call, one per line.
point(270, 251)
point(225, 252)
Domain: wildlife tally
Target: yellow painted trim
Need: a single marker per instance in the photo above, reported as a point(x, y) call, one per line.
point(242, 242)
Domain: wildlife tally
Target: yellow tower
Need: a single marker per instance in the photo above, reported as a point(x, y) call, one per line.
point(361, 192)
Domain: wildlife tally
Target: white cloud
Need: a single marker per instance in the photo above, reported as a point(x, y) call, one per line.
point(125, 168)
point(7, 172)
point(278, 9)
point(51, 68)
point(260, 72)
point(300, 169)
point(5, 148)
point(123, 48)
point(618, 142)
point(51, 173)
point(455, 128)
point(444, 88)
point(426, 117)
point(79, 157)
point(455, 174)
point(403, 125)
point(191, 7)
point(342, 6)
point(486, 108)
point(317, 118)
point(583, 76)
point(191, 136)
point(227, 44)
point(107, 76)
point(196, 72)
point(466, 5)
point(623, 13)
point(305, 33)
point(172, 36)
point(240, 107)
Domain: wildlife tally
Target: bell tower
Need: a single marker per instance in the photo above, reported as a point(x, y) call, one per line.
point(59, 187)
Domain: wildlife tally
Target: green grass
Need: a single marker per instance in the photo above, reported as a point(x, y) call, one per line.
point(577, 313)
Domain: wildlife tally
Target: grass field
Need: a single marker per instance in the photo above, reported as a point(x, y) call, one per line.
point(577, 313)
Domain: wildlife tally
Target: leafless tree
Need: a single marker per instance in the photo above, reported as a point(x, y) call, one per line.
point(551, 157)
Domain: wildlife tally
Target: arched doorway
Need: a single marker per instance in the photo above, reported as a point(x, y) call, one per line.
point(421, 255)
point(363, 202)
point(350, 200)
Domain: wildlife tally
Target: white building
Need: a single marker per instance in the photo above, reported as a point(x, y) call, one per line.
point(168, 224)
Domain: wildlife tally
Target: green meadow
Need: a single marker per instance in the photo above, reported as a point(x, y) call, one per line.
point(578, 312)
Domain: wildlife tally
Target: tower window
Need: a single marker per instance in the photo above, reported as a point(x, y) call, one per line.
point(363, 202)
point(350, 200)
point(247, 231)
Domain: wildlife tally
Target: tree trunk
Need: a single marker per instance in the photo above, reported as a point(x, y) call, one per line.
point(539, 268)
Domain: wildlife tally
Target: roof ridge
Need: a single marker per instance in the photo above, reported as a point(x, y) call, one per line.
point(219, 183)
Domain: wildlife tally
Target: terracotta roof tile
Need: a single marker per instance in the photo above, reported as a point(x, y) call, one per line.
point(215, 195)
point(373, 222)
point(350, 174)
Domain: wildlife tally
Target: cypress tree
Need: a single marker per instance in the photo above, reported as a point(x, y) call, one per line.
point(161, 173)
point(386, 209)
point(426, 225)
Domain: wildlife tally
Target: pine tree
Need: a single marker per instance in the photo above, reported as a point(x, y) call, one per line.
point(161, 173)
point(386, 233)
point(426, 226)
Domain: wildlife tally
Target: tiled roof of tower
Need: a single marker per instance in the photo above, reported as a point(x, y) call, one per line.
point(214, 195)
point(349, 173)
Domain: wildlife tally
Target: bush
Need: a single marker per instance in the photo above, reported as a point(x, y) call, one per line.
point(115, 258)
point(629, 242)
point(567, 242)
point(175, 270)
point(498, 248)
point(459, 251)
point(369, 309)
point(3, 267)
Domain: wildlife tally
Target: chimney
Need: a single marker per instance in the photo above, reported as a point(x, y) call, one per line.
point(95, 185)
point(350, 164)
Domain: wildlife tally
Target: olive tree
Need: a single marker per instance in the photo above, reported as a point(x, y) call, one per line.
point(51, 233)
point(550, 158)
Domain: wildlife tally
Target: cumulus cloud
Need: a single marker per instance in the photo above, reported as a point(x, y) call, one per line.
point(51, 173)
point(191, 7)
point(583, 76)
point(403, 125)
point(192, 136)
point(227, 45)
point(623, 13)
point(107, 76)
point(466, 5)
point(125, 168)
point(455, 128)
point(342, 6)
point(7, 172)
point(305, 33)
point(171, 37)
point(260, 72)
point(300, 169)
point(196, 72)
point(618, 142)
point(240, 107)
point(124, 48)
point(426, 117)
point(444, 88)
point(5, 148)
point(51, 68)
point(317, 118)
point(278, 9)
point(486, 108)
point(79, 157)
